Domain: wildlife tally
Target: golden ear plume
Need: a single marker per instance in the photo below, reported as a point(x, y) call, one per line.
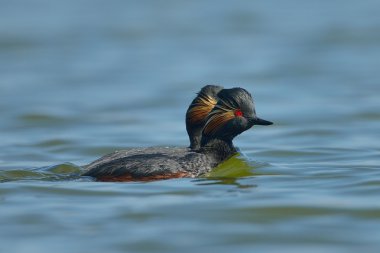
point(200, 109)
point(217, 119)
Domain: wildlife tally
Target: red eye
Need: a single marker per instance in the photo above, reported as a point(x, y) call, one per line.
point(238, 113)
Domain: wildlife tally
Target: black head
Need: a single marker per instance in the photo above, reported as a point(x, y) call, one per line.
point(198, 111)
point(233, 114)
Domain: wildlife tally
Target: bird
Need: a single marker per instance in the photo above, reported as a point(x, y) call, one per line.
point(230, 113)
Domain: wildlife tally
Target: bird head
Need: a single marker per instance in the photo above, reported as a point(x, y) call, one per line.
point(233, 114)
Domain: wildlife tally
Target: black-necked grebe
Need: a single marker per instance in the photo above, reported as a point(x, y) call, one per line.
point(233, 113)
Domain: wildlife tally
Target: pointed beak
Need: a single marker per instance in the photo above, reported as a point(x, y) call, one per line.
point(263, 122)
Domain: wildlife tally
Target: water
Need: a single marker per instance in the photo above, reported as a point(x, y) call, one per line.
point(79, 79)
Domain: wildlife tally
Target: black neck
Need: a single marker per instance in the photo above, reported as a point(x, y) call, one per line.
point(219, 149)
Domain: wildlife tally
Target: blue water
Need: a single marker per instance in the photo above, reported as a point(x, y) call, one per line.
point(80, 79)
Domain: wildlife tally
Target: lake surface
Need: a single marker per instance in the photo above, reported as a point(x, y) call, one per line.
point(80, 79)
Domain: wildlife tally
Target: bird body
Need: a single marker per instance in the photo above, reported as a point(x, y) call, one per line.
point(150, 164)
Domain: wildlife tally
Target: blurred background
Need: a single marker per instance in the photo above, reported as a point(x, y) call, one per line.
point(79, 79)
